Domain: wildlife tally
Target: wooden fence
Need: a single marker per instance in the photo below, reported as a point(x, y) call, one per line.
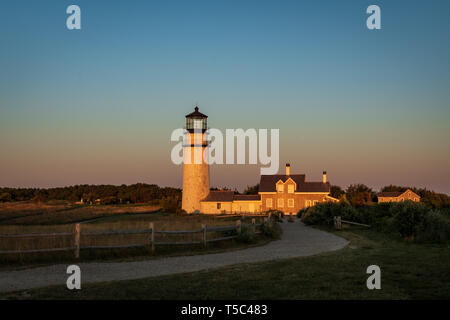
point(76, 234)
point(338, 223)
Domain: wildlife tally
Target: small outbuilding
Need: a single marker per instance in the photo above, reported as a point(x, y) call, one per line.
point(398, 196)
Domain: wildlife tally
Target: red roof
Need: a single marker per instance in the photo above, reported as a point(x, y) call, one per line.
point(229, 196)
point(219, 196)
point(390, 194)
point(268, 183)
point(247, 197)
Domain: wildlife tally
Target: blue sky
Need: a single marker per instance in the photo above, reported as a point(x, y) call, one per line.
point(98, 105)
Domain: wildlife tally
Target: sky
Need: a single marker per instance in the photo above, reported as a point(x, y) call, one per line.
point(98, 105)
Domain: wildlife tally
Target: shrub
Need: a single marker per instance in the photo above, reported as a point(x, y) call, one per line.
point(109, 200)
point(170, 204)
point(408, 217)
point(435, 228)
point(246, 235)
point(271, 230)
point(411, 220)
point(181, 212)
point(5, 197)
point(277, 215)
point(301, 212)
point(445, 212)
point(324, 213)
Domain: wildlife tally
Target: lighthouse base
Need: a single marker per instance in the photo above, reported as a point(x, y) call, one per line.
point(195, 186)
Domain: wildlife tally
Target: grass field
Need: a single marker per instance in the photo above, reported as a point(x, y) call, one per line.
point(59, 217)
point(62, 212)
point(408, 271)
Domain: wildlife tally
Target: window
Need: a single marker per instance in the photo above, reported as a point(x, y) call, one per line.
point(280, 188)
point(269, 203)
point(308, 203)
point(197, 124)
point(219, 205)
point(280, 203)
point(315, 202)
point(290, 203)
point(290, 188)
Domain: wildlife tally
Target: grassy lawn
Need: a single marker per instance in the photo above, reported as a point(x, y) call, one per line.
point(408, 271)
point(63, 212)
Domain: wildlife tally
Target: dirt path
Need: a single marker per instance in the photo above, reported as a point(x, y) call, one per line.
point(297, 241)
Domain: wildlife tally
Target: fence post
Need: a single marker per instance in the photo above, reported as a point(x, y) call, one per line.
point(337, 223)
point(238, 226)
point(77, 240)
point(253, 226)
point(152, 236)
point(204, 235)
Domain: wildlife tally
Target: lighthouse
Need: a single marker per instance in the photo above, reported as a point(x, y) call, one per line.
point(195, 166)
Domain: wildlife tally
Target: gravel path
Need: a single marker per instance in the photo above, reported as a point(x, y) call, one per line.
point(298, 240)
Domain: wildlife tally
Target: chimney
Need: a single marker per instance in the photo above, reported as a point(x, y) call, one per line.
point(324, 177)
point(288, 169)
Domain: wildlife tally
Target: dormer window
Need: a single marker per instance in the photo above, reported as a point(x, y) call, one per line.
point(280, 188)
point(290, 188)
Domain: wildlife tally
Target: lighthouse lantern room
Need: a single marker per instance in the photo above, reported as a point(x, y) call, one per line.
point(196, 121)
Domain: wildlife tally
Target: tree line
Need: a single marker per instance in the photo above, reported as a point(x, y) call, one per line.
point(135, 193)
point(360, 195)
point(355, 194)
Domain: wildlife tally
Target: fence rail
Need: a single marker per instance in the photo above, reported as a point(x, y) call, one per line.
point(179, 232)
point(111, 232)
point(338, 223)
point(77, 233)
point(29, 235)
point(38, 250)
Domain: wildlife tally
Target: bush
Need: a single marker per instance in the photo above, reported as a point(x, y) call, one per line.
point(408, 217)
point(410, 220)
point(170, 205)
point(445, 212)
point(5, 197)
point(435, 228)
point(324, 213)
point(110, 200)
point(277, 215)
point(271, 229)
point(301, 212)
point(246, 235)
point(181, 212)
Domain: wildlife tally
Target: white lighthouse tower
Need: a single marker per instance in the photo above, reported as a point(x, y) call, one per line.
point(195, 167)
